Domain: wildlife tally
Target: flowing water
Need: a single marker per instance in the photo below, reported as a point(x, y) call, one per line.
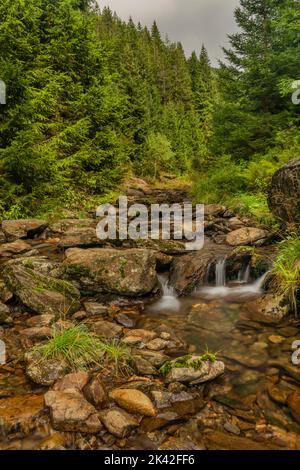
point(257, 356)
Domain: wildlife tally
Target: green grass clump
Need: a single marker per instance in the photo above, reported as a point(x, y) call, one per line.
point(188, 362)
point(82, 349)
point(286, 271)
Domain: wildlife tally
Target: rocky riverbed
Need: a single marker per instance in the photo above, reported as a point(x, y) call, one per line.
point(55, 276)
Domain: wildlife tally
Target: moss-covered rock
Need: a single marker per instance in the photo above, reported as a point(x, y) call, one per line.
point(42, 294)
point(125, 272)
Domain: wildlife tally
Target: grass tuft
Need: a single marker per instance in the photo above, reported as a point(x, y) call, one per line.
point(83, 350)
point(286, 271)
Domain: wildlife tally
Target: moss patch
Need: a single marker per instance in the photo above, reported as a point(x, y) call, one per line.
point(187, 362)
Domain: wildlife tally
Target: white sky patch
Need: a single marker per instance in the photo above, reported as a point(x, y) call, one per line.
point(191, 22)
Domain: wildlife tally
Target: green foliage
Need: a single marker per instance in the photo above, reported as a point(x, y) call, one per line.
point(159, 156)
point(82, 349)
point(89, 98)
point(287, 271)
point(218, 182)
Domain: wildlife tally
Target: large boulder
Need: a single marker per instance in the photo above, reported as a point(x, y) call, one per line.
point(14, 229)
point(125, 272)
point(284, 193)
point(42, 294)
point(190, 271)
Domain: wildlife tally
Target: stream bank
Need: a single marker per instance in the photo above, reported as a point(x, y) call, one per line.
point(59, 275)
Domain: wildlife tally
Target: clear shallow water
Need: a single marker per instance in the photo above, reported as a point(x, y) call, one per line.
point(257, 356)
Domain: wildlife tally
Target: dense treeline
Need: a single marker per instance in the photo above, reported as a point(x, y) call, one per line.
point(90, 98)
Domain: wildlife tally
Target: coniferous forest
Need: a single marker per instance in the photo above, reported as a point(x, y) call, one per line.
point(92, 98)
point(150, 343)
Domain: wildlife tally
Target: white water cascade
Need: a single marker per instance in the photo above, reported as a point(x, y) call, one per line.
point(169, 301)
point(221, 273)
point(243, 290)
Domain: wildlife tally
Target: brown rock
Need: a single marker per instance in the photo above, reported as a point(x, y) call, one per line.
point(14, 248)
point(284, 193)
point(71, 412)
point(75, 381)
point(41, 293)
point(126, 272)
point(38, 333)
point(134, 401)
point(107, 329)
point(294, 405)
point(95, 392)
point(247, 236)
point(20, 411)
point(118, 422)
point(214, 210)
point(15, 229)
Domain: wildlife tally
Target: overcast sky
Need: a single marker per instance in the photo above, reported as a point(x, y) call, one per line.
point(192, 22)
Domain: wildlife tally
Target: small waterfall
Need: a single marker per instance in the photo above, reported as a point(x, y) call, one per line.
point(245, 290)
point(169, 300)
point(244, 275)
point(221, 273)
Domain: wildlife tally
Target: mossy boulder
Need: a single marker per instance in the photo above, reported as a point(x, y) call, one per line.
point(40, 293)
point(125, 272)
point(284, 194)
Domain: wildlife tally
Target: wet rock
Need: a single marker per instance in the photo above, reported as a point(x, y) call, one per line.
point(278, 394)
point(139, 336)
point(163, 261)
point(14, 229)
point(20, 412)
point(166, 399)
point(44, 372)
point(133, 401)
point(95, 392)
point(94, 308)
point(125, 272)
point(75, 381)
point(124, 320)
point(157, 344)
point(232, 428)
point(216, 440)
point(107, 329)
point(160, 421)
point(190, 270)
point(247, 236)
point(54, 442)
point(270, 308)
point(177, 443)
point(37, 333)
point(14, 248)
point(4, 313)
point(293, 402)
point(70, 411)
point(284, 193)
point(155, 358)
point(143, 367)
point(118, 422)
point(276, 339)
point(40, 293)
point(208, 371)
